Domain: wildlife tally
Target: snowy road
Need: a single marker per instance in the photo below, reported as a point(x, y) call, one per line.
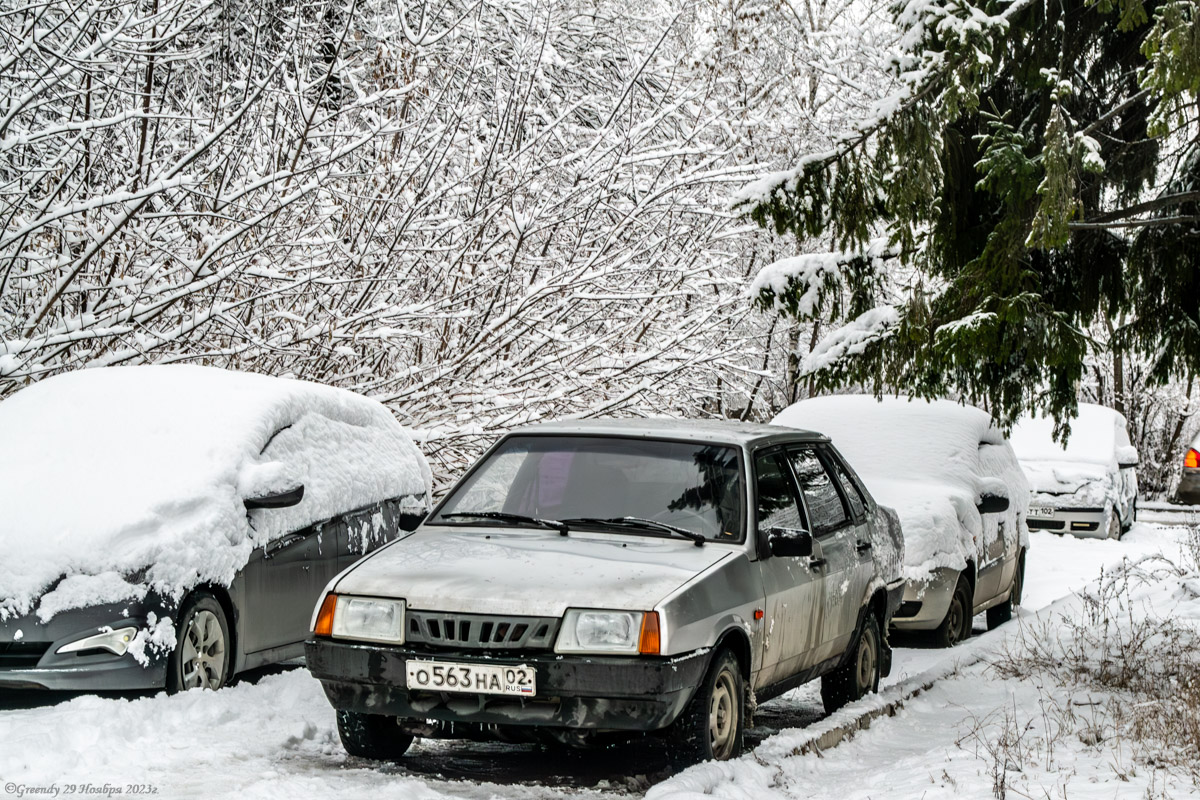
point(276, 737)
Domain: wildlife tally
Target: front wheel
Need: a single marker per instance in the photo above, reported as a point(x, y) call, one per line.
point(201, 658)
point(1114, 524)
point(373, 736)
point(710, 728)
point(859, 675)
point(956, 626)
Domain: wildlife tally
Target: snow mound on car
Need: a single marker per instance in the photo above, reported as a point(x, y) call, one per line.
point(138, 474)
point(1085, 468)
point(931, 462)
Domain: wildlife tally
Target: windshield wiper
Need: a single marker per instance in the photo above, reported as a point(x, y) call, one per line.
point(644, 524)
point(502, 516)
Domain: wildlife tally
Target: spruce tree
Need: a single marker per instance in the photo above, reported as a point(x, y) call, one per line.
point(1039, 167)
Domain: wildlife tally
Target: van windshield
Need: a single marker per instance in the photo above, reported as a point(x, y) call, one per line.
point(581, 480)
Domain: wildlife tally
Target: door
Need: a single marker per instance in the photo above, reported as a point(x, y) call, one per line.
point(834, 536)
point(283, 583)
point(792, 586)
point(998, 544)
point(856, 505)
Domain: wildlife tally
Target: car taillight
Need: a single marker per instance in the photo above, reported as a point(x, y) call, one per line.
point(324, 626)
point(1192, 459)
point(648, 643)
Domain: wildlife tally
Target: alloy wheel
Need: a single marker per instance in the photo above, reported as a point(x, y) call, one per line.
point(202, 662)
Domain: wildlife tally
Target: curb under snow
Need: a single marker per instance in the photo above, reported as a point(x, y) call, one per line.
point(845, 723)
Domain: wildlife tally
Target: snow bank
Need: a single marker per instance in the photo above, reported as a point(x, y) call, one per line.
point(124, 479)
point(931, 462)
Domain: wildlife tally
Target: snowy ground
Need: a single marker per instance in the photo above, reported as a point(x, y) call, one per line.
point(276, 737)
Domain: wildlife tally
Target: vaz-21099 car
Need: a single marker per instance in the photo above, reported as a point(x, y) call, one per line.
point(598, 579)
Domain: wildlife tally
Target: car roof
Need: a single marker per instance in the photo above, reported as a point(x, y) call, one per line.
point(717, 431)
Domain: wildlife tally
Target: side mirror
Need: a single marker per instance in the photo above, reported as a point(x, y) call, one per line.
point(992, 504)
point(790, 542)
point(284, 499)
point(1127, 457)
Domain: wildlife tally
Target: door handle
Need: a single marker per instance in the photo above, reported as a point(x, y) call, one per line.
point(816, 562)
point(863, 547)
point(286, 541)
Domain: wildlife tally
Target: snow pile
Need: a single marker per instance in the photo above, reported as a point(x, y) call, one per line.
point(1086, 468)
point(123, 479)
point(931, 462)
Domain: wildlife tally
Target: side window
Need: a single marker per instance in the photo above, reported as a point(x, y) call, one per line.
point(777, 506)
point(820, 495)
point(858, 506)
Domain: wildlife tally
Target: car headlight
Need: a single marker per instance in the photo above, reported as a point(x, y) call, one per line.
point(114, 641)
point(372, 619)
point(601, 631)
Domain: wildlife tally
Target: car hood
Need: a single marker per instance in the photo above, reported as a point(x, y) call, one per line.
point(528, 573)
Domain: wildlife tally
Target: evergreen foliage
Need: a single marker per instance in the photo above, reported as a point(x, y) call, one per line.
point(1039, 168)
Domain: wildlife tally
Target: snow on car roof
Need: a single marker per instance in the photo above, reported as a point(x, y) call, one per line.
point(930, 461)
point(1094, 437)
point(710, 430)
point(107, 472)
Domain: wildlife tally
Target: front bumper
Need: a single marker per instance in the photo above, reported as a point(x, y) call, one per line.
point(1087, 523)
point(587, 693)
point(31, 661)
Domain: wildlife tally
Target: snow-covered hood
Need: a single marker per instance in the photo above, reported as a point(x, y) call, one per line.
point(530, 573)
point(1064, 477)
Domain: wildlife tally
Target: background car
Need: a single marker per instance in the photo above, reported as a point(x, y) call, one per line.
point(174, 525)
point(1189, 481)
point(593, 580)
point(960, 494)
point(1087, 487)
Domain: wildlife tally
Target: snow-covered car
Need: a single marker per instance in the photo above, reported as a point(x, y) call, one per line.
point(1189, 481)
point(960, 493)
point(1089, 487)
point(591, 580)
point(171, 526)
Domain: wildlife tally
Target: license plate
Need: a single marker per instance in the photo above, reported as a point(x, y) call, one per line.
point(1041, 511)
point(446, 676)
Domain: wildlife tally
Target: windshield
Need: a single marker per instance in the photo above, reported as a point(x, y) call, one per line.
point(581, 480)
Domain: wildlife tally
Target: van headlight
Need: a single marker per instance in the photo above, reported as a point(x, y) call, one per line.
point(604, 631)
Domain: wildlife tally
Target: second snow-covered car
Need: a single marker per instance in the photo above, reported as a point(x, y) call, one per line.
point(960, 493)
point(170, 526)
point(1088, 487)
point(593, 579)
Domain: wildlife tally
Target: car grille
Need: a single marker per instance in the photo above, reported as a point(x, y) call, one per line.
point(1044, 524)
point(480, 631)
point(22, 655)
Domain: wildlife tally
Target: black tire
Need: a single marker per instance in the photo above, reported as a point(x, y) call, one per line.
point(372, 736)
point(203, 653)
point(957, 624)
point(1114, 524)
point(859, 675)
point(712, 727)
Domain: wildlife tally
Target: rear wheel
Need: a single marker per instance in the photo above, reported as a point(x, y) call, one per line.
point(956, 626)
point(201, 658)
point(373, 736)
point(710, 728)
point(859, 675)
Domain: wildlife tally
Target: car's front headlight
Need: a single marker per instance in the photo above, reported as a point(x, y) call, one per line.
point(371, 619)
point(603, 631)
